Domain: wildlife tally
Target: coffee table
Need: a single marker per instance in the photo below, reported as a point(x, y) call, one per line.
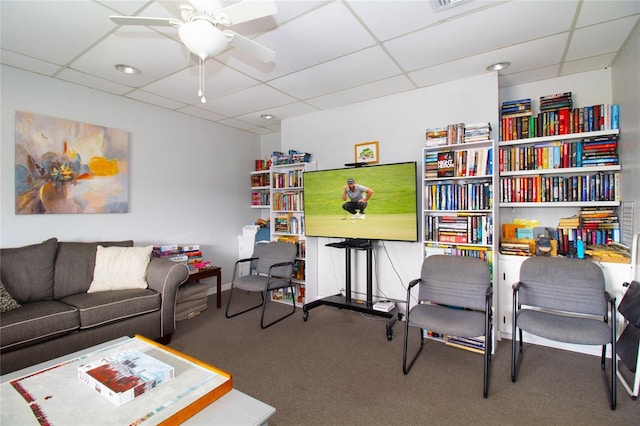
point(51, 393)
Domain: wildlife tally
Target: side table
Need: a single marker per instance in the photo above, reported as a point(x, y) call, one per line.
point(214, 271)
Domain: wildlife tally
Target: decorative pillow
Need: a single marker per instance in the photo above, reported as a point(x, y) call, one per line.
point(27, 272)
point(119, 268)
point(7, 302)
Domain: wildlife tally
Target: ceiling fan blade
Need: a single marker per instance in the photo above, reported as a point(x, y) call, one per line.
point(244, 11)
point(149, 22)
point(256, 50)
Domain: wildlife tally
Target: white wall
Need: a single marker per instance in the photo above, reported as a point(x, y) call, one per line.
point(188, 183)
point(398, 123)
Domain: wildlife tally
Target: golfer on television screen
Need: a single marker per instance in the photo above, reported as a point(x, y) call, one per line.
point(358, 195)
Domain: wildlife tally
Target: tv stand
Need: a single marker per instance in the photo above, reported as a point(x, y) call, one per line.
point(346, 301)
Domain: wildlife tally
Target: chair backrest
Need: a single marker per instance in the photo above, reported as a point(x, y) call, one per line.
point(271, 253)
point(455, 280)
point(571, 285)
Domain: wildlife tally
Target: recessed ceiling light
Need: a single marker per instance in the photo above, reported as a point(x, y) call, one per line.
point(267, 116)
point(127, 69)
point(498, 66)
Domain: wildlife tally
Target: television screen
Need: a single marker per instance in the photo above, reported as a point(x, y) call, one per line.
point(373, 202)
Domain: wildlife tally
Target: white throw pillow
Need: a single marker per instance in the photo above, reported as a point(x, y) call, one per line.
point(119, 268)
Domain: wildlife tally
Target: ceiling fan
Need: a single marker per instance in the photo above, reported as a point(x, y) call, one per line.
point(204, 32)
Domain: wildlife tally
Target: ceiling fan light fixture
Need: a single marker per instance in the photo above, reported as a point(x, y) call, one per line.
point(127, 69)
point(498, 66)
point(202, 38)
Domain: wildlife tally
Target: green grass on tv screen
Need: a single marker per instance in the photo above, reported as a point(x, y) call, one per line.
point(391, 213)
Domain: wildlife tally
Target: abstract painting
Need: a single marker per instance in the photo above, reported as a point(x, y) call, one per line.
point(65, 166)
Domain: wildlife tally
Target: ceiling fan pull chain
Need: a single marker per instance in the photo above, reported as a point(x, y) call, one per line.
point(201, 78)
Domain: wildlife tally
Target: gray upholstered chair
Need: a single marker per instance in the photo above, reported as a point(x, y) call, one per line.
point(564, 300)
point(454, 299)
point(271, 268)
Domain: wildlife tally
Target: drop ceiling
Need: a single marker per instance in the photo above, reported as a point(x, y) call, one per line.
point(328, 53)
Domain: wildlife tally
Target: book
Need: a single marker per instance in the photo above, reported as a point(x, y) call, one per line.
point(165, 247)
point(446, 164)
point(122, 377)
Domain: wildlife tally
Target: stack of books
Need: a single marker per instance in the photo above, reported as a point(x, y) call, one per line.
point(189, 254)
point(556, 102)
point(436, 137)
point(600, 151)
point(477, 132)
point(431, 165)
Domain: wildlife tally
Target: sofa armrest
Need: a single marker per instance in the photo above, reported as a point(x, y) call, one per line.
point(165, 276)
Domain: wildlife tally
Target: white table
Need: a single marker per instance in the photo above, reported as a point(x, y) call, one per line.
point(233, 408)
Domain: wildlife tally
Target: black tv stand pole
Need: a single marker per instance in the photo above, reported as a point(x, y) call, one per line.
point(346, 301)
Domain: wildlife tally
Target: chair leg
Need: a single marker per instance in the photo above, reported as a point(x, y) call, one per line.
point(488, 348)
point(516, 353)
point(611, 388)
point(264, 306)
point(226, 311)
point(405, 367)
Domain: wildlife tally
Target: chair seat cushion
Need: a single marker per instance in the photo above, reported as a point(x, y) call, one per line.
point(258, 282)
point(36, 321)
point(104, 307)
point(448, 321)
point(564, 328)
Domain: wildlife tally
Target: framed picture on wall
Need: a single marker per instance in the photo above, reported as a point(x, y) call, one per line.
point(367, 152)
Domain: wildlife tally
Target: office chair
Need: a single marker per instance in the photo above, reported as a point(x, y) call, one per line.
point(564, 300)
point(454, 299)
point(628, 344)
point(271, 268)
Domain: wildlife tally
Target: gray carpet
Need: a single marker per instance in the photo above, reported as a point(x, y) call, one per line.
point(338, 368)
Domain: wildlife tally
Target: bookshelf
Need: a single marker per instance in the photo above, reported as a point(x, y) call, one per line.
point(287, 220)
point(260, 189)
point(458, 208)
point(558, 164)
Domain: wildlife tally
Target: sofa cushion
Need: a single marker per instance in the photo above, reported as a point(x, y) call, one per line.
point(7, 302)
point(27, 272)
point(75, 263)
point(120, 268)
point(36, 321)
point(104, 307)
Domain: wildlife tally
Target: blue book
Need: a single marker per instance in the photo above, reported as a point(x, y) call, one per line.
point(615, 116)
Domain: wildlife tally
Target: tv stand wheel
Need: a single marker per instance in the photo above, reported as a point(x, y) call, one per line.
point(389, 335)
point(305, 315)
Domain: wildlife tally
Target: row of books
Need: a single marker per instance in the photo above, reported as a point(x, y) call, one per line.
point(260, 180)
point(462, 228)
point(189, 254)
point(290, 179)
point(299, 270)
point(289, 225)
point(464, 163)
point(535, 189)
point(562, 122)
point(480, 252)
point(260, 198)
point(284, 294)
point(590, 152)
point(515, 248)
point(567, 237)
point(291, 157)
point(457, 133)
point(261, 165)
point(288, 201)
point(459, 196)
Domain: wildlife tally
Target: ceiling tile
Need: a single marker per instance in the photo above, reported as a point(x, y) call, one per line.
point(362, 93)
point(219, 81)
point(150, 98)
point(364, 67)
point(595, 11)
point(198, 112)
point(486, 30)
point(154, 54)
point(528, 76)
point(26, 63)
point(587, 64)
point(88, 80)
point(247, 101)
point(57, 31)
point(280, 112)
point(321, 35)
point(588, 41)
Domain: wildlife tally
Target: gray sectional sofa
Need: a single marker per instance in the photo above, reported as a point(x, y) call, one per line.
point(56, 315)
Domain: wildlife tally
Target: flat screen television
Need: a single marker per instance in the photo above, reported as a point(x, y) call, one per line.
point(391, 213)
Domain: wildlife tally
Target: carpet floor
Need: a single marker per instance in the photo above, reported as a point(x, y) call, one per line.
point(338, 368)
